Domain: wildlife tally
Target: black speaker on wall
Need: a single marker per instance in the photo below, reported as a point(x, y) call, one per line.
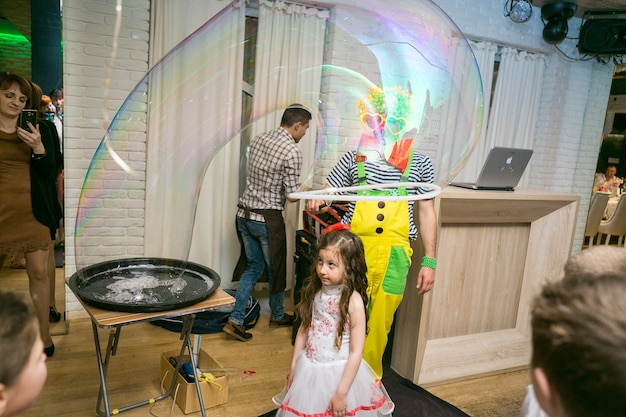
point(603, 37)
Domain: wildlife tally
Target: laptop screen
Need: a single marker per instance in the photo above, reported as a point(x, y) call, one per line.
point(502, 169)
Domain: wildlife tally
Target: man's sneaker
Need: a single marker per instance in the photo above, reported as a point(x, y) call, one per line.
point(287, 320)
point(237, 332)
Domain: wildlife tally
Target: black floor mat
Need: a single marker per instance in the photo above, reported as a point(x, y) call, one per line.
point(414, 401)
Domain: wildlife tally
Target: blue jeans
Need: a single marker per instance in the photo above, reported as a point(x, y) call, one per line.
point(255, 243)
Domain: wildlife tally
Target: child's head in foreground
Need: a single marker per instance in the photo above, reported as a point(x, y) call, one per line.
point(23, 368)
point(578, 365)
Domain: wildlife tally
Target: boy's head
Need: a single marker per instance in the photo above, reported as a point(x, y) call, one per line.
point(23, 368)
point(578, 364)
point(296, 120)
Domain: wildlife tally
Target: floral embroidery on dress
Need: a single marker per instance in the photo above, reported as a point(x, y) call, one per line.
point(332, 306)
point(326, 327)
point(311, 350)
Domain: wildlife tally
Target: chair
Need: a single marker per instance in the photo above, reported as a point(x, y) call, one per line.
point(616, 225)
point(595, 214)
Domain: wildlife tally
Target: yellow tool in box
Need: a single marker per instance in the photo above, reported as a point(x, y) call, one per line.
point(210, 378)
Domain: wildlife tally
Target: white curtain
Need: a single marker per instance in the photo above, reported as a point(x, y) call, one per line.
point(171, 22)
point(463, 107)
point(193, 145)
point(515, 102)
point(510, 119)
point(288, 70)
point(288, 63)
point(485, 53)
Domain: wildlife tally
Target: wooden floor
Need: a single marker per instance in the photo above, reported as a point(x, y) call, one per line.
point(72, 386)
point(15, 279)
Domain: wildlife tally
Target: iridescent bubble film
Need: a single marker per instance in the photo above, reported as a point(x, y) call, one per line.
point(406, 60)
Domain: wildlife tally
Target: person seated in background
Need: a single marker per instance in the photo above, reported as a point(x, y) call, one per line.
point(578, 363)
point(23, 369)
point(604, 182)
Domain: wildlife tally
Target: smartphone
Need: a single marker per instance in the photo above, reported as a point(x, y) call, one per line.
point(49, 116)
point(28, 115)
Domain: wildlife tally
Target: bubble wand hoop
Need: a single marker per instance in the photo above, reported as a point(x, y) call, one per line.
point(339, 193)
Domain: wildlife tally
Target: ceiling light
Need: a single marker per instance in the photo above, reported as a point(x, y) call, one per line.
point(557, 14)
point(518, 11)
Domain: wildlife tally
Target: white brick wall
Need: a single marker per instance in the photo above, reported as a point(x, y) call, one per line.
point(88, 28)
point(573, 104)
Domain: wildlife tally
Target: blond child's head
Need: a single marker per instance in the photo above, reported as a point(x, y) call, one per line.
point(579, 337)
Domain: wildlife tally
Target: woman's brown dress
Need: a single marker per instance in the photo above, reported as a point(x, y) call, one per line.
point(19, 230)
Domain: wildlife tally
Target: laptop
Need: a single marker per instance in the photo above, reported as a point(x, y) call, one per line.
point(502, 170)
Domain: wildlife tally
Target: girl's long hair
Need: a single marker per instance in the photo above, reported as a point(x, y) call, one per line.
point(350, 249)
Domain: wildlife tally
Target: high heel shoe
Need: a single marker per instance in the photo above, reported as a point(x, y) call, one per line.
point(49, 351)
point(55, 316)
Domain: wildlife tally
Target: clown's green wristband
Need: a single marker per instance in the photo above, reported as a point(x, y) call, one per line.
point(429, 262)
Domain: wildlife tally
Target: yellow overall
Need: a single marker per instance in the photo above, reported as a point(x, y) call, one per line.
point(383, 227)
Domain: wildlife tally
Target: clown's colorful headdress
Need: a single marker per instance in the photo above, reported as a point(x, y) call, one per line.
point(390, 102)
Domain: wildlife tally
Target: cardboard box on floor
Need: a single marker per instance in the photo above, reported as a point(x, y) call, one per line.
point(186, 397)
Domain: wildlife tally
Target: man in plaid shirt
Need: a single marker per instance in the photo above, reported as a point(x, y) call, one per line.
point(274, 165)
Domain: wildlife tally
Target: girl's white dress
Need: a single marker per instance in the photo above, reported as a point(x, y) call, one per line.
point(320, 366)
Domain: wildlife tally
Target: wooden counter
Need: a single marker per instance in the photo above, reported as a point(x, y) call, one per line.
point(494, 251)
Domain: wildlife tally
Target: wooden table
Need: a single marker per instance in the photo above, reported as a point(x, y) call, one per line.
point(115, 320)
point(495, 249)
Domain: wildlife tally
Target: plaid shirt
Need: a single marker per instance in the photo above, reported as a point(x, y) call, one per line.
point(274, 165)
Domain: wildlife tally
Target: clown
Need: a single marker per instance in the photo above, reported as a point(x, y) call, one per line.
point(385, 115)
point(386, 227)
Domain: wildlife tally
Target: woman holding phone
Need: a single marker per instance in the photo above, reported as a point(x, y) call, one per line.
point(29, 208)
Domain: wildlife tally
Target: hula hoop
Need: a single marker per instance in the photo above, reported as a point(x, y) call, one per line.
point(332, 193)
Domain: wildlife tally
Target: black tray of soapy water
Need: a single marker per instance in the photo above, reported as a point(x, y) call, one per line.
point(143, 285)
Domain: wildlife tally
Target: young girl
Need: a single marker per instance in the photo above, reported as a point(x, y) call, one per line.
point(23, 368)
point(328, 375)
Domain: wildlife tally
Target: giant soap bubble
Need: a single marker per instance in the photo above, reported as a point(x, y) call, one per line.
point(192, 113)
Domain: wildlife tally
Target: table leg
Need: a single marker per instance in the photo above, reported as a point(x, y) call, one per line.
point(186, 336)
point(103, 365)
point(111, 350)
